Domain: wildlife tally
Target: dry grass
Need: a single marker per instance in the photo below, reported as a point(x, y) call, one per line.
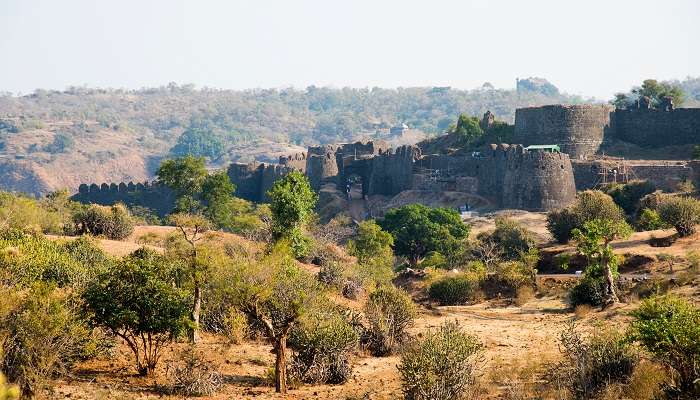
point(582, 310)
point(524, 295)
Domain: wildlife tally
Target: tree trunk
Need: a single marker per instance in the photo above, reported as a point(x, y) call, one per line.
point(611, 295)
point(196, 309)
point(281, 364)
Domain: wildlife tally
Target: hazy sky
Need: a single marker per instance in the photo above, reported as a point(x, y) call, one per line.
point(588, 47)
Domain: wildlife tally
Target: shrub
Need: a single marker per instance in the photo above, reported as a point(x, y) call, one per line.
point(136, 300)
point(452, 290)
point(650, 220)
point(323, 347)
point(43, 335)
point(25, 259)
point(113, 222)
point(669, 328)
point(331, 273)
point(515, 274)
point(590, 205)
point(627, 195)
point(193, 375)
point(442, 366)
point(693, 258)
point(352, 289)
point(389, 311)
point(8, 392)
point(683, 213)
point(24, 213)
point(590, 364)
point(588, 291)
point(512, 238)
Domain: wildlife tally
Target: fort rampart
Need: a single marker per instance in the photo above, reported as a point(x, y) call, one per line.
point(654, 128)
point(578, 129)
point(157, 197)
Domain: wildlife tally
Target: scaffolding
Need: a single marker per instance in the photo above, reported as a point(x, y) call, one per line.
point(616, 171)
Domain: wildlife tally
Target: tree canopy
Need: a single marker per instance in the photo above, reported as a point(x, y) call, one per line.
point(418, 230)
point(656, 91)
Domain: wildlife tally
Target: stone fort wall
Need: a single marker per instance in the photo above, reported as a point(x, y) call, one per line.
point(253, 180)
point(508, 175)
point(578, 129)
point(157, 197)
point(654, 127)
point(581, 129)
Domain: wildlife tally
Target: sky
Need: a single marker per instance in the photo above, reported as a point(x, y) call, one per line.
point(586, 47)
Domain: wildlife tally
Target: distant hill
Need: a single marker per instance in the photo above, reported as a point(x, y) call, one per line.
point(59, 139)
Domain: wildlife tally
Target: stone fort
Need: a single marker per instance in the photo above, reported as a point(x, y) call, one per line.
point(520, 176)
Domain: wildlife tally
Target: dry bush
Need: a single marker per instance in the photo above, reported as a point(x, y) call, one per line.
point(389, 312)
point(352, 289)
point(523, 295)
point(442, 366)
point(582, 310)
point(331, 273)
point(647, 382)
point(192, 375)
point(322, 350)
point(592, 363)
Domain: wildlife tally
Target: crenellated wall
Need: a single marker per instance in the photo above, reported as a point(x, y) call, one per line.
point(157, 197)
point(578, 129)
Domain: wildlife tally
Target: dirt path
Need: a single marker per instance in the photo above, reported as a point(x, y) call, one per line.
point(357, 206)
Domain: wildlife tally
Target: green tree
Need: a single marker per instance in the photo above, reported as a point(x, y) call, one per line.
point(192, 229)
point(593, 242)
point(589, 205)
point(682, 213)
point(669, 328)
point(467, 129)
point(217, 195)
point(185, 176)
point(137, 300)
point(656, 91)
point(199, 141)
point(371, 243)
point(275, 293)
point(418, 230)
point(292, 202)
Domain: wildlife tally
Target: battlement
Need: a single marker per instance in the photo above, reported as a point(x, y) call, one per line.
point(151, 195)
